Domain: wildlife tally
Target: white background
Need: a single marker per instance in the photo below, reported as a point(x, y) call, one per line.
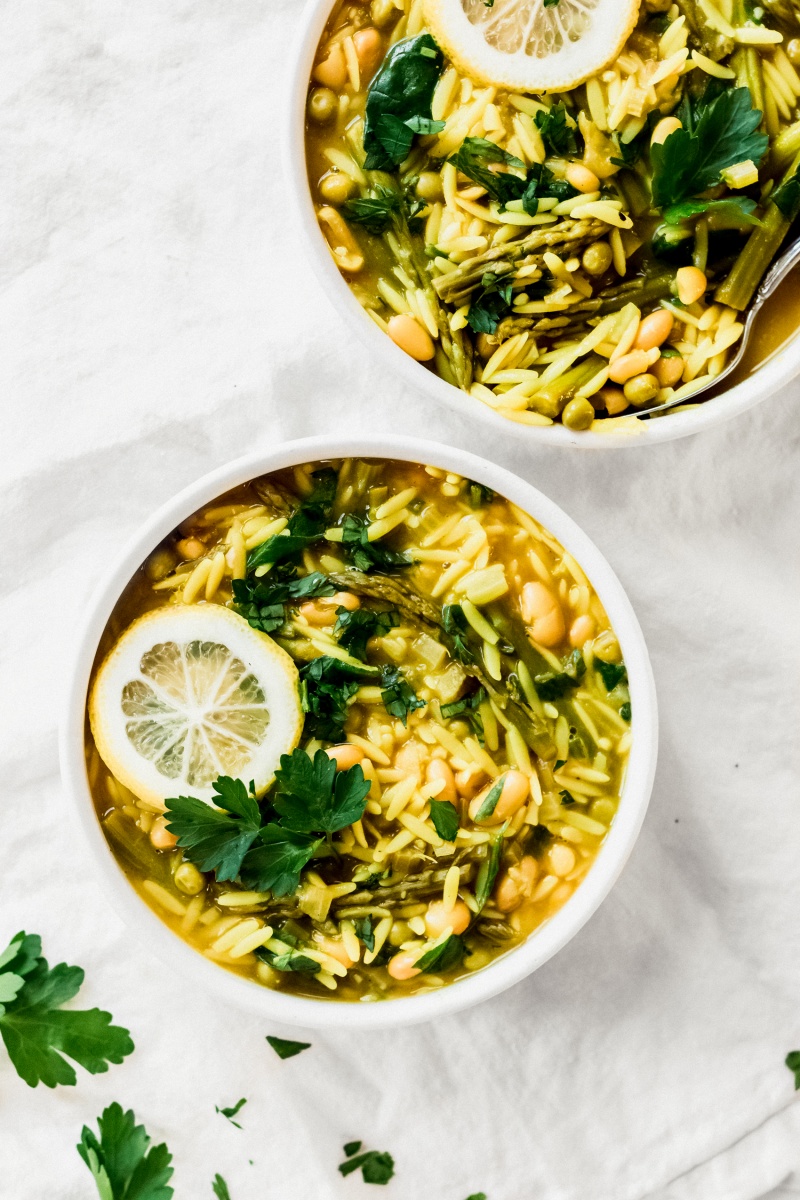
point(158, 318)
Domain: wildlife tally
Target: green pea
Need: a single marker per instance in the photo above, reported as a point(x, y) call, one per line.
point(322, 104)
point(578, 414)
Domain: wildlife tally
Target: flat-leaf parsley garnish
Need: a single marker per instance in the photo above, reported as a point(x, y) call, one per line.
point(444, 818)
point(37, 1031)
point(217, 840)
point(793, 1063)
point(376, 1166)
point(313, 797)
point(220, 1188)
point(231, 1112)
point(123, 1164)
point(285, 1047)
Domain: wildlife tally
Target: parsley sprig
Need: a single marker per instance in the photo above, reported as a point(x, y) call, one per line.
point(123, 1164)
point(38, 1032)
point(376, 1166)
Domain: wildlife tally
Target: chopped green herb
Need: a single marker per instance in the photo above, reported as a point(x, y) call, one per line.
point(456, 625)
point(567, 798)
point(551, 685)
point(375, 212)
point(787, 197)
point(558, 135)
point(444, 818)
point(35, 1029)
point(542, 184)
point(313, 797)
point(376, 1166)
point(326, 684)
point(625, 711)
point(719, 129)
point(482, 1195)
point(291, 960)
point(447, 954)
point(365, 933)
point(468, 709)
point(611, 673)
point(793, 1063)
point(219, 1188)
point(490, 303)
point(479, 494)
point(399, 101)
point(354, 629)
point(123, 1164)
point(475, 158)
point(738, 209)
point(263, 603)
point(560, 762)
point(285, 1048)
point(231, 1112)
point(306, 525)
point(275, 862)
point(365, 554)
point(399, 698)
point(351, 1148)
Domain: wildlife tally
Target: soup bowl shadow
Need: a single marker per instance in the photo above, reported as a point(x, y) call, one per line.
point(502, 972)
point(775, 373)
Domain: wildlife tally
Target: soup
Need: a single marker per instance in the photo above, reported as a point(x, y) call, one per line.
point(576, 256)
point(462, 732)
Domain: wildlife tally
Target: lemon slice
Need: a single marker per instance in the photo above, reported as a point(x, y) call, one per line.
point(528, 46)
point(191, 692)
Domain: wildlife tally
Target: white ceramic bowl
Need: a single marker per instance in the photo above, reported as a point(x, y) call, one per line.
point(502, 972)
point(777, 372)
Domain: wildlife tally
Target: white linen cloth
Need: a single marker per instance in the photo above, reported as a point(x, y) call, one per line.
point(158, 321)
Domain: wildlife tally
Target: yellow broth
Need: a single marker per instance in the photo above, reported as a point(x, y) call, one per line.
point(623, 309)
point(391, 888)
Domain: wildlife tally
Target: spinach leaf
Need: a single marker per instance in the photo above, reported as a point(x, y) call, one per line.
point(551, 685)
point(558, 136)
point(306, 524)
point(365, 554)
point(399, 101)
point(399, 698)
point(444, 818)
point(262, 603)
point(354, 629)
point(490, 303)
point(326, 684)
point(440, 958)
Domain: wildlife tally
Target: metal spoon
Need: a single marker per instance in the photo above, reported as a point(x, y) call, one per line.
point(774, 276)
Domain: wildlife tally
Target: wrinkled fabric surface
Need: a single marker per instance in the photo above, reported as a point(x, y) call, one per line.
point(159, 318)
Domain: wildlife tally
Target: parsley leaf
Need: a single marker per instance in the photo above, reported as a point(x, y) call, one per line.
point(490, 303)
point(787, 197)
point(285, 1048)
point(611, 673)
point(482, 1195)
point(491, 799)
point(326, 684)
point(735, 208)
point(261, 602)
point(551, 685)
point(220, 1188)
point(351, 1148)
point(306, 524)
point(793, 1063)
point(231, 1112)
point(313, 797)
point(121, 1164)
point(558, 136)
point(212, 839)
point(37, 1032)
point(488, 871)
point(291, 960)
point(275, 862)
point(354, 629)
point(383, 208)
point(467, 708)
point(398, 696)
point(365, 554)
point(440, 958)
point(719, 129)
point(365, 934)
point(399, 101)
point(474, 159)
point(455, 624)
point(376, 1166)
point(444, 818)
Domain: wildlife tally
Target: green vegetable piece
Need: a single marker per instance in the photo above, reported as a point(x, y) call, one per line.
point(489, 304)
point(365, 932)
point(793, 1063)
point(122, 1166)
point(475, 158)
point(313, 797)
point(212, 839)
point(376, 1166)
point(399, 698)
point(306, 524)
point(354, 629)
point(262, 603)
point(275, 862)
point(447, 954)
point(551, 685)
point(736, 209)
point(720, 128)
point(444, 817)
point(456, 625)
point(611, 673)
point(326, 684)
point(230, 1113)
point(364, 554)
point(490, 800)
point(482, 1195)
point(220, 1188)
point(488, 871)
point(625, 711)
point(567, 798)
point(291, 960)
point(468, 709)
point(37, 1033)
point(558, 135)
point(351, 1148)
point(285, 1048)
point(479, 494)
point(399, 101)
point(786, 197)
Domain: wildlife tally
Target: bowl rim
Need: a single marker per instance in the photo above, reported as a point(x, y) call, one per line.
point(502, 972)
point(781, 367)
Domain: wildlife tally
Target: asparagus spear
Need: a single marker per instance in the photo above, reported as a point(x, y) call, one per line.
point(715, 45)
